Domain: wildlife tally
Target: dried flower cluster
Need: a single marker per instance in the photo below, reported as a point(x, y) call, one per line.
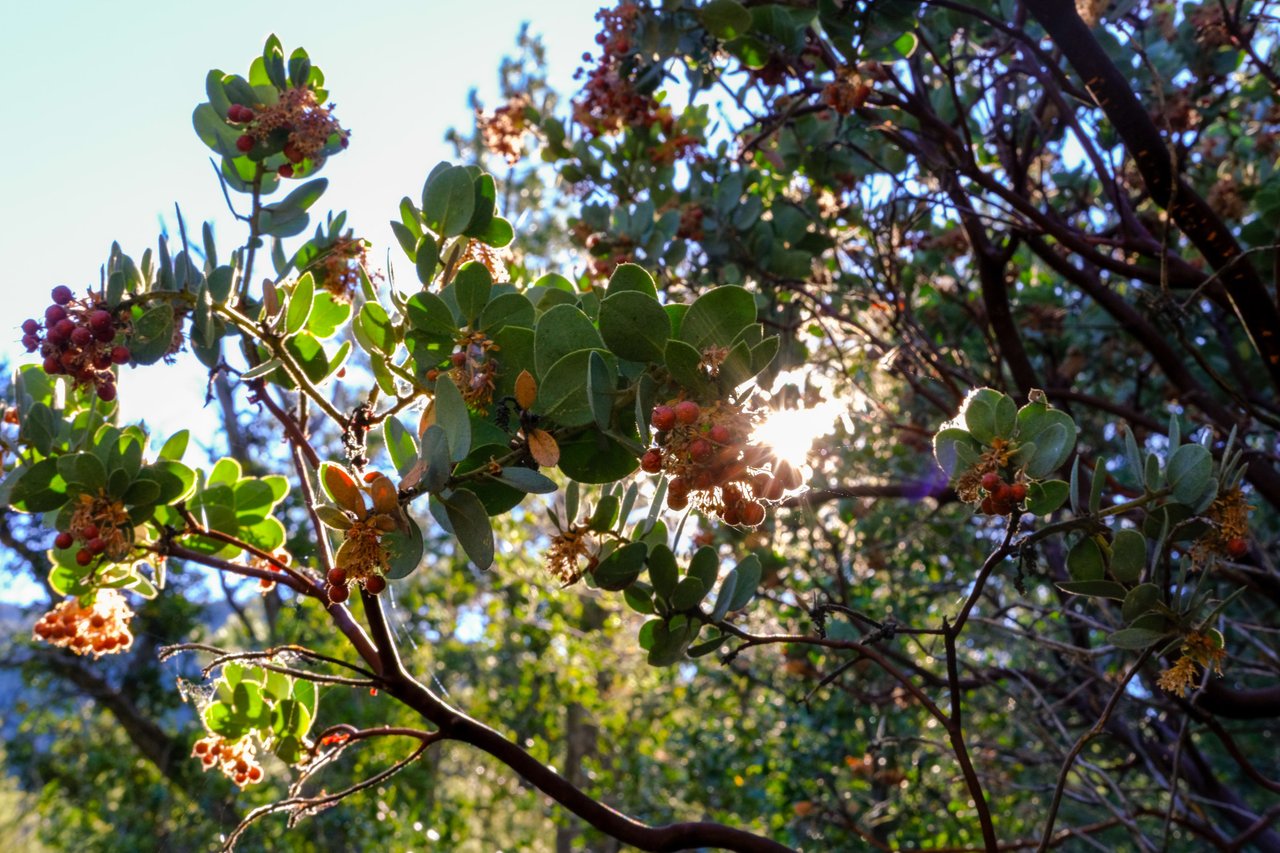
point(564, 557)
point(1202, 649)
point(610, 101)
point(362, 558)
point(309, 127)
point(100, 629)
point(1228, 536)
point(503, 130)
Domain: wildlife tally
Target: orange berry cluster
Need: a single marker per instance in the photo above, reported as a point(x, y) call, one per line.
point(77, 339)
point(100, 629)
point(711, 463)
point(1002, 498)
point(235, 758)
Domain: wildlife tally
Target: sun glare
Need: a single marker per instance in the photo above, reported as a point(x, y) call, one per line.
point(790, 433)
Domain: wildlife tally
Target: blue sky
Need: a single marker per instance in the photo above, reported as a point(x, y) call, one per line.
point(100, 145)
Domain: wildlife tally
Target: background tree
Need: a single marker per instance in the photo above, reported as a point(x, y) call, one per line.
point(1066, 209)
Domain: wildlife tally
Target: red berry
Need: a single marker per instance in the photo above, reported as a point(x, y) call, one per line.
point(651, 462)
point(99, 320)
point(97, 545)
point(1018, 491)
point(731, 516)
point(1238, 547)
point(31, 342)
point(677, 502)
point(105, 335)
point(988, 506)
point(61, 294)
point(63, 541)
point(52, 366)
point(292, 154)
point(285, 171)
point(244, 144)
point(663, 418)
point(458, 359)
point(719, 434)
point(375, 584)
point(337, 577)
point(752, 513)
point(30, 327)
point(255, 773)
point(990, 480)
point(84, 557)
point(106, 392)
point(102, 360)
point(339, 594)
point(687, 411)
point(700, 450)
point(704, 479)
point(52, 315)
point(89, 531)
point(678, 486)
point(80, 336)
point(120, 355)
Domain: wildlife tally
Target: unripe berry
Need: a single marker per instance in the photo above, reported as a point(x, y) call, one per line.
point(704, 479)
point(255, 773)
point(375, 584)
point(337, 577)
point(244, 144)
point(106, 393)
point(700, 449)
point(651, 462)
point(990, 480)
point(84, 557)
point(80, 336)
point(100, 319)
point(63, 541)
point(339, 594)
point(30, 327)
point(61, 294)
point(102, 360)
point(663, 418)
point(719, 434)
point(687, 411)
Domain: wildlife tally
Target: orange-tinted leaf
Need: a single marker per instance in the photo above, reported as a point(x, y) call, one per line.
point(384, 495)
point(526, 390)
point(344, 489)
point(543, 448)
point(428, 418)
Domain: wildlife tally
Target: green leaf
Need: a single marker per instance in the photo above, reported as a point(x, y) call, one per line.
point(152, 334)
point(176, 446)
point(454, 418)
point(1128, 555)
point(300, 303)
point(621, 568)
point(425, 256)
point(1135, 639)
point(717, 316)
point(600, 387)
point(749, 572)
point(448, 201)
point(956, 450)
point(663, 571)
point(1046, 497)
point(631, 278)
point(688, 593)
point(705, 566)
point(377, 329)
point(327, 315)
point(435, 452)
point(405, 549)
point(527, 480)
point(40, 488)
point(725, 597)
point(1095, 589)
point(471, 526)
point(606, 513)
point(565, 391)
point(1053, 448)
point(401, 447)
point(683, 362)
point(507, 309)
point(725, 19)
point(1189, 472)
point(1085, 561)
point(988, 414)
point(1140, 600)
point(634, 326)
point(561, 330)
point(472, 285)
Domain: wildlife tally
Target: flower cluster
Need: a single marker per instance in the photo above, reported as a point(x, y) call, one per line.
point(712, 464)
point(610, 101)
point(100, 629)
point(77, 339)
point(362, 558)
point(295, 124)
point(337, 269)
point(503, 130)
point(473, 371)
point(567, 549)
point(1203, 649)
point(236, 759)
point(846, 93)
point(1228, 536)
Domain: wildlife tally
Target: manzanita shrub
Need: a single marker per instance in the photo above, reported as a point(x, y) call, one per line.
point(411, 408)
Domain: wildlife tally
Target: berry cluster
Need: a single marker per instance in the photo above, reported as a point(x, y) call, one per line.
point(711, 462)
point(1002, 498)
point(100, 629)
point(610, 100)
point(77, 339)
point(236, 759)
point(361, 558)
point(503, 131)
point(472, 370)
point(295, 126)
point(101, 526)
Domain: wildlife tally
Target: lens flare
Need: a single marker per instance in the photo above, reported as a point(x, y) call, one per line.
point(790, 433)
